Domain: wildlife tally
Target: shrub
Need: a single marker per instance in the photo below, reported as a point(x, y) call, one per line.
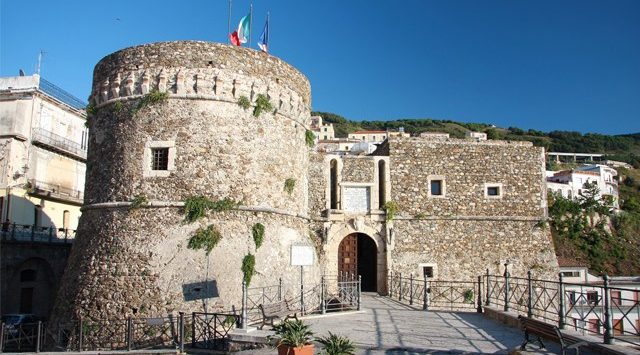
point(258, 234)
point(262, 104)
point(293, 333)
point(244, 102)
point(248, 268)
point(309, 138)
point(391, 209)
point(138, 201)
point(289, 185)
point(205, 238)
point(337, 345)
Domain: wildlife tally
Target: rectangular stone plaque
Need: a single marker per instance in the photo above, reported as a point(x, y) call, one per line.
point(301, 255)
point(356, 198)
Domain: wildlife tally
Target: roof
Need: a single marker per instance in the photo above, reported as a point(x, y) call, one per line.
point(368, 132)
point(569, 262)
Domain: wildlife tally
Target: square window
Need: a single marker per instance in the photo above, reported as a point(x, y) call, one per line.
point(427, 271)
point(493, 191)
point(159, 158)
point(436, 187)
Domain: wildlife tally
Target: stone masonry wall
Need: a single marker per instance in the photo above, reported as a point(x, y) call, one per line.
point(465, 232)
point(464, 249)
point(358, 169)
point(128, 263)
point(319, 171)
point(465, 167)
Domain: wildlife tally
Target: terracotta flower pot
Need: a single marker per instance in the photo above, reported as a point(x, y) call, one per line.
point(303, 350)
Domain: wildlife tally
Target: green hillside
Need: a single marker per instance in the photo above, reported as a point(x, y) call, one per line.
point(623, 147)
point(611, 246)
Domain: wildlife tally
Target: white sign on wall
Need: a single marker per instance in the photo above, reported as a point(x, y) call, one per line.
point(356, 198)
point(301, 255)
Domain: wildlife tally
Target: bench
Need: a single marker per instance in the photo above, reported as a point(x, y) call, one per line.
point(548, 331)
point(278, 310)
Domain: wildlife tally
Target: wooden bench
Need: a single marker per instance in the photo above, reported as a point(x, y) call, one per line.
point(548, 331)
point(279, 310)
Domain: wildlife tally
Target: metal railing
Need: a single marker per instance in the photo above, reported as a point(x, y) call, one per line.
point(44, 188)
point(36, 234)
point(436, 294)
point(592, 309)
point(48, 138)
point(61, 94)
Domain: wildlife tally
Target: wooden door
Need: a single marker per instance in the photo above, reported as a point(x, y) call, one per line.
point(348, 255)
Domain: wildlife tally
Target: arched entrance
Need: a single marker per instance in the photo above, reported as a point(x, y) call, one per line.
point(358, 255)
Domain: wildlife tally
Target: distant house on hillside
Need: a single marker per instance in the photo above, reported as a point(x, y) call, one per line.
point(571, 183)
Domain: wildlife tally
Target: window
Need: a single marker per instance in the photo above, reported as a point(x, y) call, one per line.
point(325, 137)
point(28, 275)
point(382, 184)
point(427, 271)
point(593, 326)
point(616, 298)
point(159, 158)
point(333, 167)
point(436, 187)
point(592, 297)
point(570, 273)
point(618, 328)
point(492, 190)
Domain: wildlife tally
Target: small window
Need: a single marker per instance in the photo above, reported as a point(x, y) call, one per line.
point(159, 158)
point(28, 275)
point(493, 191)
point(436, 187)
point(592, 297)
point(427, 271)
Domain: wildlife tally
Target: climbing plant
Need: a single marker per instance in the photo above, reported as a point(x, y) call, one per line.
point(205, 238)
point(309, 138)
point(391, 209)
point(149, 99)
point(248, 267)
point(262, 104)
point(289, 185)
point(244, 102)
point(138, 201)
point(468, 295)
point(258, 234)
point(196, 207)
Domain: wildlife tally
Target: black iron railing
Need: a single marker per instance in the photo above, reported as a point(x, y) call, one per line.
point(436, 294)
point(36, 234)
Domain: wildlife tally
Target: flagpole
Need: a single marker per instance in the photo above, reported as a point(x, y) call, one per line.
point(229, 25)
point(268, 29)
point(250, 22)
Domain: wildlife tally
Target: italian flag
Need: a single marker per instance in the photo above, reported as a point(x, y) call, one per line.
point(239, 36)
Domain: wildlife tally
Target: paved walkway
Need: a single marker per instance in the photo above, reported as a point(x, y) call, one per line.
point(385, 326)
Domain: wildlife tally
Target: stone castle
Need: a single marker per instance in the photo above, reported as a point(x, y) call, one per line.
point(462, 206)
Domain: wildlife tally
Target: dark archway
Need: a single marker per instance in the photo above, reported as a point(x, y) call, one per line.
point(358, 255)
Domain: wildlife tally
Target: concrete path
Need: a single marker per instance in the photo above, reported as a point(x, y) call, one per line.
point(385, 326)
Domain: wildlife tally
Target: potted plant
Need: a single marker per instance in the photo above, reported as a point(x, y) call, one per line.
point(293, 338)
point(337, 345)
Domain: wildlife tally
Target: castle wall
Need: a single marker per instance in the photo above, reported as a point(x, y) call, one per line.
point(127, 262)
point(464, 231)
point(358, 169)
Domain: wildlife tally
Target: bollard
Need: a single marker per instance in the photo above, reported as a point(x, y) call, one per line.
point(244, 305)
point(479, 308)
point(561, 308)
point(506, 289)
point(411, 289)
point(280, 289)
point(38, 336)
point(425, 294)
point(529, 295)
point(181, 335)
point(608, 323)
point(400, 288)
point(486, 300)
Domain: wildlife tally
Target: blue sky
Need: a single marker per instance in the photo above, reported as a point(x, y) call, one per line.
point(547, 65)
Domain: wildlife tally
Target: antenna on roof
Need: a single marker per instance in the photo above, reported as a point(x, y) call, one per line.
point(21, 72)
point(39, 61)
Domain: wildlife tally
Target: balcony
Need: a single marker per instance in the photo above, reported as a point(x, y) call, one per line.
point(59, 144)
point(56, 192)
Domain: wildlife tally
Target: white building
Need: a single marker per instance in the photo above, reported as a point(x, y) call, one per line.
point(571, 183)
point(584, 297)
point(43, 140)
point(322, 131)
point(369, 136)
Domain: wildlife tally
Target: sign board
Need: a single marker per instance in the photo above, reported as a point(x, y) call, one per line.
point(301, 255)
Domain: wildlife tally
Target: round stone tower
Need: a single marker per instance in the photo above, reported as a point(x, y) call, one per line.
point(178, 120)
